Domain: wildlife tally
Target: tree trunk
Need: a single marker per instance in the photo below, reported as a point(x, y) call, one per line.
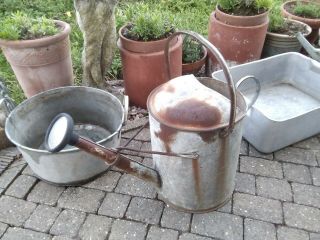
point(97, 22)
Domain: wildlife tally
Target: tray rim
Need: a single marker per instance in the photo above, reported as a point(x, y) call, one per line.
point(267, 60)
point(287, 119)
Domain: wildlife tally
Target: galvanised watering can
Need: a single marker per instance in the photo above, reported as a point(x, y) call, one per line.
point(196, 131)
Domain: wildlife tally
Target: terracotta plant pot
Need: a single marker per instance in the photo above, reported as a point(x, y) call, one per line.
point(195, 67)
point(237, 44)
point(276, 43)
point(41, 64)
point(313, 23)
point(241, 20)
point(143, 66)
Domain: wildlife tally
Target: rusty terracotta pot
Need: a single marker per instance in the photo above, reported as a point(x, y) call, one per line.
point(143, 66)
point(241, 20)
point(313, 23)
point(237, 44)
point(193, 68)
point(41, 64)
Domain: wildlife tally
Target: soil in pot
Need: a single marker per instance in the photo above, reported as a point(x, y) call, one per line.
point(292, 27)
point(283, 39)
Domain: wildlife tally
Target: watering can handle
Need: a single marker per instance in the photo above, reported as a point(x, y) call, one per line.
point(223, 65)
point(258, 88)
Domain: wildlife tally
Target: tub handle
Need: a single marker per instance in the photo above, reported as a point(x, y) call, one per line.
point(258, 89)
point(4, 98)
point(211, 48)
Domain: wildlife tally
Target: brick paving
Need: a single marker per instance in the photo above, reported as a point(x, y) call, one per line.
point(277, 197)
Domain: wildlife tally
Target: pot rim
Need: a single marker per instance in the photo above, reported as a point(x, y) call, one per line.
point(241, 16)
point(239, 116)
point(143, 46)
point(39, 42)
point(314, 21)
point(309, 29)
point(73, 149)
point(213, 15)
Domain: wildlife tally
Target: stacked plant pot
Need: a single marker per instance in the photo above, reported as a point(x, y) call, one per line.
point(240, 39)
point(144, 65)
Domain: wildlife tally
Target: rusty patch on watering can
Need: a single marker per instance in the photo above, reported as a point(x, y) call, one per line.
point(209, 136)
point(196, 175)
point(167, 136)
point(169, 88)
point(222, 161)
point(192, 113)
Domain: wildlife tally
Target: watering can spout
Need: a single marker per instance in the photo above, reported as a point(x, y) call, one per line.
point(60, 133)
point(311, 50)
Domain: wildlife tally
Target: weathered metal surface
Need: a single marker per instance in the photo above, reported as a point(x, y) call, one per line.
point(184, 117)
point(186, 103)
point(220, 59)
point(27, 124)
point(198, 185)
point(288, 106)
point(120, 161)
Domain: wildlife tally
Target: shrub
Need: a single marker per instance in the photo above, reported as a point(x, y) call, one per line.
point(19, 26)
point(230, 6)
point(263, 4)
point(310, 10)
point(191, 50)
point(276, 21)
point(149, 26)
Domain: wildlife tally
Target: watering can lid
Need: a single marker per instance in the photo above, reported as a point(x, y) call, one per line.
point(185, 103)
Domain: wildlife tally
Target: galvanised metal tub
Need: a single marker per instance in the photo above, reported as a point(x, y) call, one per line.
point(99, 116)
point(288, 108)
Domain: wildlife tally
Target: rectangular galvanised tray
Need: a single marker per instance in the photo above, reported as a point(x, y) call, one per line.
point(288, 107)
